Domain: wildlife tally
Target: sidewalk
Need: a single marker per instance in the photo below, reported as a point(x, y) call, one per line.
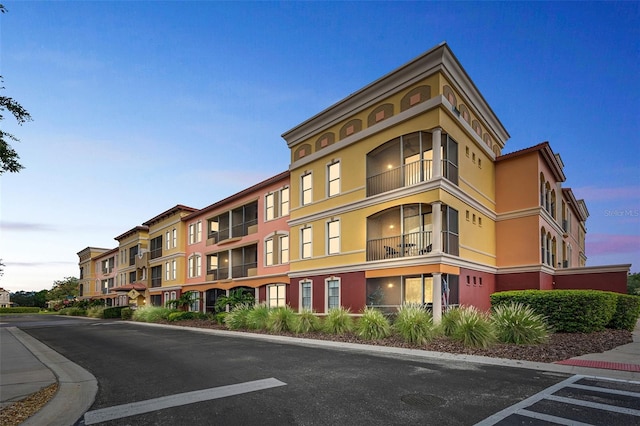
point(26, 366)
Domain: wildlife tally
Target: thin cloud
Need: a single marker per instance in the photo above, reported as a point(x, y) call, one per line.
point(594, 193)
point(26, 227)
point(37, 264)
point(598, 244)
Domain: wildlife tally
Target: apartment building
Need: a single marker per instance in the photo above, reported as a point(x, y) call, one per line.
point(398, 193)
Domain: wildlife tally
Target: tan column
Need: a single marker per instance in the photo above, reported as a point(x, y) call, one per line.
point(436, 143)
point(436, 222)
point(437, 297)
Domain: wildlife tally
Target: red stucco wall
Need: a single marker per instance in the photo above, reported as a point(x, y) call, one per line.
point(475, 288)
point(352, 291)
point(606, 281)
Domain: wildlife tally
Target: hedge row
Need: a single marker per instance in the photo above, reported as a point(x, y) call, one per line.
point(577, 311)
point(20, 310)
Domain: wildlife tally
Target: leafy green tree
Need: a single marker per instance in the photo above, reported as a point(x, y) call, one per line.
point(30, 298)
point(633, 283)
point(8, 156)
point(236, 297)
point(64, 289)
point(183, 302)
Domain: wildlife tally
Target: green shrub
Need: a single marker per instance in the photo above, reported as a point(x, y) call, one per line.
point(126, 313)
point(220, 318)
point(282, 319)
point(474, 328)
point(373, 325)
point(627, 312)
point(95, 312)
point(338, 321)
point(450, 319)
point(185, 315)
point(113, 312)
point(414, 324)
point(257, 317)
point(20, 310)
point(307, 322)
point(571, 311)
point(72, 312)
point(151, 314)
point(237, 319)
point(518, 323)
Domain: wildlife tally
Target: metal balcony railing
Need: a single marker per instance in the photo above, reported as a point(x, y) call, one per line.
point(413, 244)
point(405, 175)
point(240, 271)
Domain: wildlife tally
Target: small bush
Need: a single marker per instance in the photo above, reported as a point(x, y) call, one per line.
point(126, 313)
point(518, 323)
point(72, 312)
point(219, 318)
point(474, 328)
point(151, 314)
point(338, 321)
point(185, 315)
point(95, 312)
point(237, 319)
point(627, 312)
point(414, 324)
point(450, 320)
point(307, 322)
point(282, 319)
point(373, 325)
point(20, 310)
point(257, 317)
point(112, 312)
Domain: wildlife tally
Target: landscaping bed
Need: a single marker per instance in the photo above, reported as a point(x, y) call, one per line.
point(560, 346)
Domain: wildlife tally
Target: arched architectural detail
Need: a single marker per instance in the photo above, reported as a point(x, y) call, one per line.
point(464, 113)
point(487, 139)
point(496, 150)
point(325, 140)
point(302, 151)
point(381, 112)
point(475, 125)
point(415, 96)
point(350, 127)
point(450, 95)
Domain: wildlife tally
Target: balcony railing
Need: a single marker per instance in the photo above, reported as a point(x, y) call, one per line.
point(405, 175)
point(240, 271)
point(413, 244)
point(218, 274)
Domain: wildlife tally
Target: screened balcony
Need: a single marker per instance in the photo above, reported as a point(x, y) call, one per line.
point(241, 262)
point(238, 222)
point(409, 160)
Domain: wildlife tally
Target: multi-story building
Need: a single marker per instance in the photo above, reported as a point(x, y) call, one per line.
point(5, 298)
point(398, 193)
point(241, 242)
point(89, 286)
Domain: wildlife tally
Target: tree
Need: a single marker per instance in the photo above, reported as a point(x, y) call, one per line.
point(30, 298)
point(633, 283)
point(235, 297)
point(183, 303)
point(64, 289)
point(8, 156)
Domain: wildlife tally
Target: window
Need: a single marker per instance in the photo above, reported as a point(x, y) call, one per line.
point(270, 201)
point(450, 148)
point(195, 265)
point(269, 252)
point(156, 300)
point(333, 179)
point(167, 271)
point(175, 237)
point(333, 293)
point(305, 239)
point(195, 232)
point(306, 186)
point(284, 249)
point(132, 277)
point(276, 295)
point(133, 251)
point(305, 295)
point(168, 240)
point(284, 202)
point(194, 306)
point(156, 276)
point(174, 265)
point(450, 234)
point(156, 247)
point(333, 237)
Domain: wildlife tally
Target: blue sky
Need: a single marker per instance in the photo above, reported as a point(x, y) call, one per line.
point(139, 106)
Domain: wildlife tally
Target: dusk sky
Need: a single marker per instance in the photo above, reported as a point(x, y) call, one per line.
point(139, 106)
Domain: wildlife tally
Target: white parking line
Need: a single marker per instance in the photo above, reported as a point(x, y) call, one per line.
point(141, 407)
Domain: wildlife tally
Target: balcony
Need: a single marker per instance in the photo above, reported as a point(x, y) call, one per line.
point(405, 175)
point(407, 245)
point(245, 270)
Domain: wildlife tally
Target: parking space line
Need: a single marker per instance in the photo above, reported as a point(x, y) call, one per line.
point(550, 418)
point(596, 405)
point(605, 390)
point(141, 407)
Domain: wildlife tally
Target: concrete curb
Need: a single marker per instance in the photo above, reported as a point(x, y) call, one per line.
point(411, 353)
point(77, 387)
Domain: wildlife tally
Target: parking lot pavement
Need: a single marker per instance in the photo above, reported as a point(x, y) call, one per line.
point(578, 400)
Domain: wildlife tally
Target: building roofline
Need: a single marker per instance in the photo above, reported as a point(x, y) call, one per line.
point(436, 59)
point(170, 212)
point(89, 249)
point(238, 195)
point(578, 206)
point(544, 148)
point(138, 228)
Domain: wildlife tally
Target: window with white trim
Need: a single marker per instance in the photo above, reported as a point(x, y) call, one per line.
point(174, 268)
point(268, 248)
point(195, 265)
point(270, 206)
point(284, 201)
point(175, 237)
point(333, 236)
point(333, 179)
point(332, 293)
point(306, 189)
point(305, 243)
point(276, 295)
point(167, 271)
point(276, 204)
point(276, 250)
point(306, 301)
point(284, 249)
point(195, 232)
point(168, 240)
